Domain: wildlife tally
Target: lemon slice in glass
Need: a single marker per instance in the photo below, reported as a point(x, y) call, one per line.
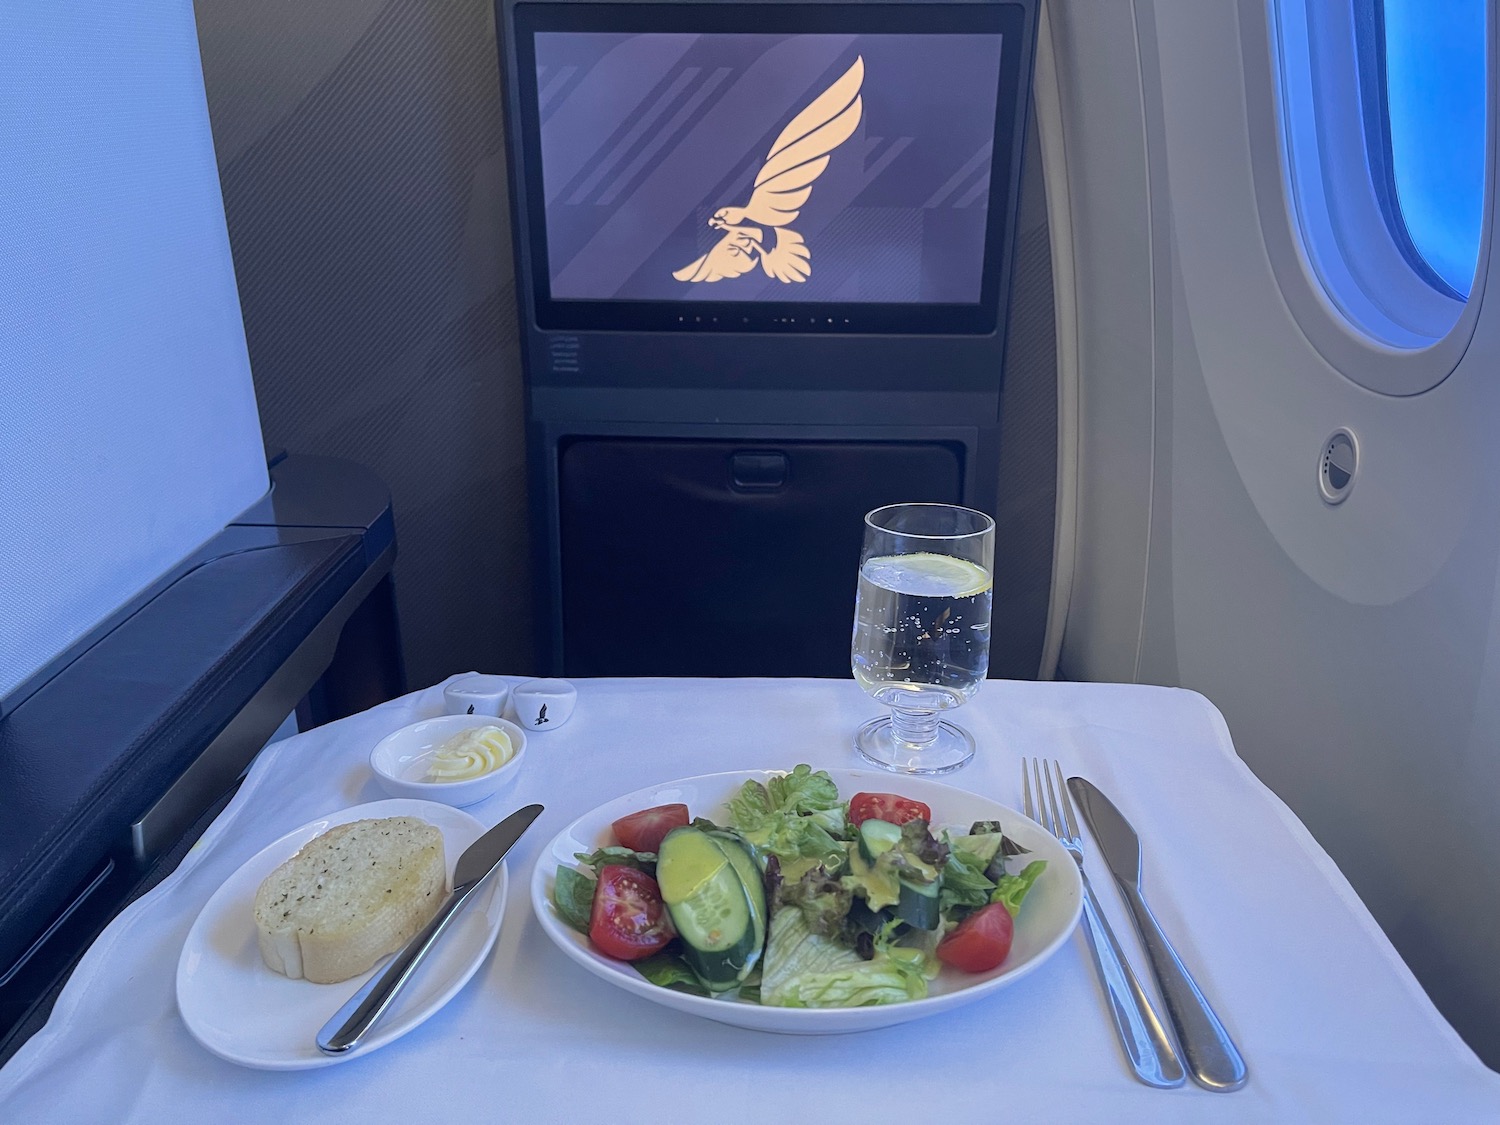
point(928, 575)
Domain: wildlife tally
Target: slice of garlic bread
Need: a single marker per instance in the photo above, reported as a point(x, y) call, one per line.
point(349, 897)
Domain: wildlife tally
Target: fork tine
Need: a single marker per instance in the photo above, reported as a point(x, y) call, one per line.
point(1027, 806)
point(1067, 802)
point(1043, 813)
point(1056, 817)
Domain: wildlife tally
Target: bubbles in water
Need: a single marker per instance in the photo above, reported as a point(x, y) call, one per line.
point(911, 646)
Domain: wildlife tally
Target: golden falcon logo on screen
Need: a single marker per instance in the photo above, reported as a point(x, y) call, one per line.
point(785, 181)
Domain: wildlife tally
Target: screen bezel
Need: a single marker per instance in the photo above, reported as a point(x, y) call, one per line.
point(980, 318)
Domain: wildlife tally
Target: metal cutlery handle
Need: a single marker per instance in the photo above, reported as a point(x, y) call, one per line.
point(1141, 1034)
point(1212, 1057)
point(1139, 1028)
point(351, 1022)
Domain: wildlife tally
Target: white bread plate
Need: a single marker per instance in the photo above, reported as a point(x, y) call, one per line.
point(249, 1014)
point(400, 761)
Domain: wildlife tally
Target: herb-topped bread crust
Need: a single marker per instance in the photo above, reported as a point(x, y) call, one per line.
point(350, 897)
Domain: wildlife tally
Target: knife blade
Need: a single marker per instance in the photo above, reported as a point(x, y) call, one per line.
point(351, 1023)
point(1212, 1058)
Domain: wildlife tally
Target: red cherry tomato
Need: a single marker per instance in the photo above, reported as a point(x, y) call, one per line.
point(644, 831)
point(629, 920)
point(981, 941)
point(886, 806)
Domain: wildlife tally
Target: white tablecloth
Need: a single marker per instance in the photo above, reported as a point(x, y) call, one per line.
point(1332, 1024)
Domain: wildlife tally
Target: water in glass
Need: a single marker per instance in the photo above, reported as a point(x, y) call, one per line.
point(922, 630)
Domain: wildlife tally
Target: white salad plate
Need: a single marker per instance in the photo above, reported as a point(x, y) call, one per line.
point(249, 1014)
point(1047, 917)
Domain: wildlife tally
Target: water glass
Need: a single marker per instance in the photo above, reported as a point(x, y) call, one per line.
point(922, 631)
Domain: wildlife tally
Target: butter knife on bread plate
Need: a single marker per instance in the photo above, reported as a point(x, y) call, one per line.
point(1211, 1056)
point(351, 1023)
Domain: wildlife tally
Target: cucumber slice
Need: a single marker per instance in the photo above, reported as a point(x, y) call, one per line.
point(918, 904)
point(755, 890)
point(876, 837)
point(710, 907)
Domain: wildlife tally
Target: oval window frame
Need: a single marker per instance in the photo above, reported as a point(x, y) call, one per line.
point(1335, 298)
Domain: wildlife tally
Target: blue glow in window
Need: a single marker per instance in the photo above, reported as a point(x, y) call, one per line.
point(1435, 96)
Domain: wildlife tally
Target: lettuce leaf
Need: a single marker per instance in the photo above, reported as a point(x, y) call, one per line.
point(982, 846)
point(803, 791)
point(804, 970)
point(751, 807)
point(1011, 889)
point(823, 900)
point(616, 855)
point(750, 990)
point(1008, 848)
point(797, 818)
point(834, 821)
point(920, 856)
point(573, 895)
point(669, 970)
point(964, 882)
point(799, 844)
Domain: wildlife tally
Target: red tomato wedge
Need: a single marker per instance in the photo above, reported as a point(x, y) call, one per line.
point(888, 807)
point(981, 941)
point(645, 830)
point(628, 920)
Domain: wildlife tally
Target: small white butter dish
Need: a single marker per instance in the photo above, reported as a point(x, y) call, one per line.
point(476, 695)
point(543, 704)
point(401, 760)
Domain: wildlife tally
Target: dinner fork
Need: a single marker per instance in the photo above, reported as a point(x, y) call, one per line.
point(1140, 1029)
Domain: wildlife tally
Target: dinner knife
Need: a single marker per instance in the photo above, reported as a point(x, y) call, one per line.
point(1212, 1058)
point(353, 1021)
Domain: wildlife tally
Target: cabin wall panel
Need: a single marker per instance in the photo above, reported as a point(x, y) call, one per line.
point(1103, 133)
point(360, 149)
point(1026, 500)
point(1354, 650)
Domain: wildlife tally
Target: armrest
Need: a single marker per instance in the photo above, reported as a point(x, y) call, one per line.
point(90, 751)
point(110, 754)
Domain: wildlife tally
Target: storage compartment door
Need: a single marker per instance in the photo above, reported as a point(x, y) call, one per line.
point(722, 558)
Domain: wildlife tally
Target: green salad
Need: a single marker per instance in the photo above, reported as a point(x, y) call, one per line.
point(798, 897)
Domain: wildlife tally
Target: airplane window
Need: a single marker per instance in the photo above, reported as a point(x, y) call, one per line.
point(1430, 63)
point(1383, 137)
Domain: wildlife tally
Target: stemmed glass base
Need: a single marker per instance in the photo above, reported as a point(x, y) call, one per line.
point(889, 744)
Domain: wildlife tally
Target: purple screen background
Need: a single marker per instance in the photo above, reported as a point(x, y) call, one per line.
point(644, 136)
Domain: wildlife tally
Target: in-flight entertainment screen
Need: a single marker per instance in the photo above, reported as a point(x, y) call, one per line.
point(766, 167)
point(681, 156)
